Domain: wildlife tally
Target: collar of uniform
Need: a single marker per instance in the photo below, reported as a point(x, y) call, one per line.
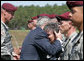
point(73, 35)
point(4, 24)
point(80, 34)
point(70, 39)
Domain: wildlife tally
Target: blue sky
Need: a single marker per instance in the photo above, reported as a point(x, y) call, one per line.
point(40, 3)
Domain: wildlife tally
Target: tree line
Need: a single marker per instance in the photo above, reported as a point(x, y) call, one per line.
point(24, 13)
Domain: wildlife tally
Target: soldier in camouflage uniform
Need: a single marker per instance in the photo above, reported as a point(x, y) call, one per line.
point(76, 16)
point(7, 12)
point(70, 33)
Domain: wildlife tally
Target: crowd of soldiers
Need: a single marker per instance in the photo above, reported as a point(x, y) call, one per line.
point(51, 37)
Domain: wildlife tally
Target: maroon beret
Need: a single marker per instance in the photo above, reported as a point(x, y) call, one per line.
point(34, 18)
point(30, 21)
point(71, 4)
point(53, 16)
point(44, 15)
point(64, 16)
point(9, 7)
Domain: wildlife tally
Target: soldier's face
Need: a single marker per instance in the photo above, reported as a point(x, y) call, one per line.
point(30, 25)
point(64, 27)
point(9, 15)
point(76, 16)
point(35, 22)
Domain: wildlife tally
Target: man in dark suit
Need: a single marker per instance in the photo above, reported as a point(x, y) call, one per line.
point(36, 45)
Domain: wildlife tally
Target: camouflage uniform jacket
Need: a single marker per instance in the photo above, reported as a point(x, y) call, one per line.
point(6, 45)
point(68, 46)
point(77, 48)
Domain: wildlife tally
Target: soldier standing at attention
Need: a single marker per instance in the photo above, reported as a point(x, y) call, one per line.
point(76, 16)
point(70, 33)
point(7, 13)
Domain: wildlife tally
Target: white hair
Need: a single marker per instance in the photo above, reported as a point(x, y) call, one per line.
point(42, 20)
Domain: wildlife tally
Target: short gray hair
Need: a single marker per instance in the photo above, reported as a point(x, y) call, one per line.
point(42, 20)
point(52, 26)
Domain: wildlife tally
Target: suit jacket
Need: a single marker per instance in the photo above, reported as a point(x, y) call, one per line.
point(36, 46)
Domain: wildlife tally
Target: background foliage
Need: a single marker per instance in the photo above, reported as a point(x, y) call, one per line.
point(24, 13)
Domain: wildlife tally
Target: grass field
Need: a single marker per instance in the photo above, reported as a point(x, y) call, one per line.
point(18, 37)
